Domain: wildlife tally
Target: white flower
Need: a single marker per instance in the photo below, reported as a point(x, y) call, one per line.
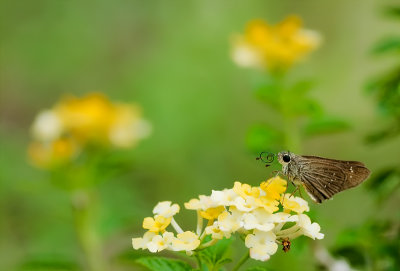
point(261, 220)
point(186, 241)
point(141, 243)
point(159, 243)
point(165, 209)
point(244, 205)
point(47, 126)
point(216, 232)
point(125, 134)
point(203, 203)
point(225, 197)
point(261, 244)
point(302, 227)
point(245, 55)
point(309, 229)
point(230, 221)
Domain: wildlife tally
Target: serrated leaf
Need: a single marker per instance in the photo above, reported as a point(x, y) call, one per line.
point(391, 44)
point(217, 255)
point(264, 138)
point(164, 264)
point(325, 125)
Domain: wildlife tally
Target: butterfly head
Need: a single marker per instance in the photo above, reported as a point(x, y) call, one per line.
point(285, 157)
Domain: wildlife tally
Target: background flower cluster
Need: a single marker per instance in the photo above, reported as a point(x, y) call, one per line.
point(73, 124)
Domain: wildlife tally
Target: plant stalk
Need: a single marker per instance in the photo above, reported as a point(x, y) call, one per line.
point(84, 208)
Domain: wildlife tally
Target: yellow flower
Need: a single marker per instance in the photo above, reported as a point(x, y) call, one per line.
point(245, 190)
point(212, 213)
point(156, 224)
point(274, 187)
point(276, 47)
point(296, 204)
point(47, 155)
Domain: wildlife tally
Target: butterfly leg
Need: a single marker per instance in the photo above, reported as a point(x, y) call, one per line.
point(276, 173)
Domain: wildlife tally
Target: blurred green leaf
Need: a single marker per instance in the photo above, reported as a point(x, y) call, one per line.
point(393, 11)
point(270, 92)
point(302, 87)
point(353, 254)
point(303, 106)
point(387, 45)
point(217, 255)
point(324, 125)
point(385, 182)
point(164, 264)
point(264, 138)
point(384, 134)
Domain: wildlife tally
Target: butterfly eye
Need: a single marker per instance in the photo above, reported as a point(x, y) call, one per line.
point(286, 158)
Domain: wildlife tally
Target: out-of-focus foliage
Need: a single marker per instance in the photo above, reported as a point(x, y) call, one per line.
point(173, 58)
point(386, 88)
point(375, 245)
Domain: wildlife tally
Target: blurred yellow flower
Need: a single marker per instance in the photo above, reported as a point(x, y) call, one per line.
point(276, 47)
point(53, 153)
point(90, 120)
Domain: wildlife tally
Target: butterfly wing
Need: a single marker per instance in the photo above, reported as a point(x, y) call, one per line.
point(323, 178)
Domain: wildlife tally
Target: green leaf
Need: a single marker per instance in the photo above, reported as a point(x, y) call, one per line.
point(389, 44)
point(264, 138)
point(164, 264)
point(214, 257)
point(325, 125)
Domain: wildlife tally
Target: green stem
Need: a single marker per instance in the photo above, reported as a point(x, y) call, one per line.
point(242, 261)
point(292, 140)
point(83, 206)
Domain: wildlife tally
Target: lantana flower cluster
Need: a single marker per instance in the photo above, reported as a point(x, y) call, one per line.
point(275, 47)
point(62, 132)
point(264, 216)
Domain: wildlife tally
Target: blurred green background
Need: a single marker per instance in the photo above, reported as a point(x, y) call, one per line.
point(172, 57)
